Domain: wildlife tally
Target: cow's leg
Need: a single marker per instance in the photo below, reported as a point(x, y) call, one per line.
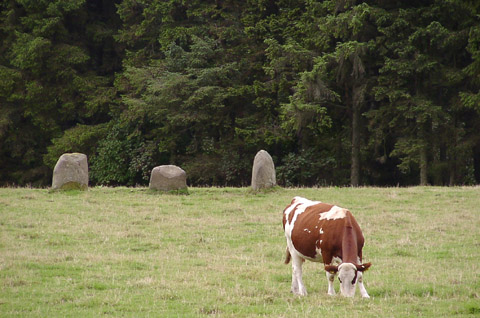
point(330, 278)
point(294, 281)
point(361, 287)
point(297, 283)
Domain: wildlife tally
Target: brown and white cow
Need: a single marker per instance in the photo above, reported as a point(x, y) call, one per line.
point(325, 233)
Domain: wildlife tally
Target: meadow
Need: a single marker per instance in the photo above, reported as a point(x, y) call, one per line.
point(219, 252)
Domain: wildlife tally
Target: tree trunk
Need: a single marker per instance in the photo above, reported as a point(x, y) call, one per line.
point(355, 165)
point(358, 96)
point(423, 166)
point(453, 176)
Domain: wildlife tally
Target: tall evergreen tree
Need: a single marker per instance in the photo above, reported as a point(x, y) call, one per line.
point(188, 87)
point(338, 91)
point(341, 37)
point(49, 80)
point(418, 87)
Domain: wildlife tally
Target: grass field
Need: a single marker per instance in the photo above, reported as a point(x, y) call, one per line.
point(218, 252)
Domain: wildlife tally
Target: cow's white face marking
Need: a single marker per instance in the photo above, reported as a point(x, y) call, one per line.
point(347, 273)
point(334, 213)
point(321, 231)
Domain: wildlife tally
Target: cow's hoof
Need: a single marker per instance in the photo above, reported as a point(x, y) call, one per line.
point(299, 293)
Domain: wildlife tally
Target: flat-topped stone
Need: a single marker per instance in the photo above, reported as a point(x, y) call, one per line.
point(168, 178)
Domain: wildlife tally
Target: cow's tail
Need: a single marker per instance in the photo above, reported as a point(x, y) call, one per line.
point(288, 257)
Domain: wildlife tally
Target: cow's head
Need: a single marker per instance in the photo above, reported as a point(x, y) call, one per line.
point(347, 275)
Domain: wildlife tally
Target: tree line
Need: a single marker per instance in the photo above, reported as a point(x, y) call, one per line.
point(339, 92)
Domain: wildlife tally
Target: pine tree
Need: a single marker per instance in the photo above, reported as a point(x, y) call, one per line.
point(53, 76)
point(418, 88)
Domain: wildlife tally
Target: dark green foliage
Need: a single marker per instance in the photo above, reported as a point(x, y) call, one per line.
point(418, 90)
point(308, 169)
point(339, 92)
point(56, 70)
point(81, 138)
point(123, 157)
point(193, 97)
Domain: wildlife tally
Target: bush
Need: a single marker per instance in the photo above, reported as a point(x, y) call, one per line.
point(81, 138)
point(307, 168)
point(123, 159)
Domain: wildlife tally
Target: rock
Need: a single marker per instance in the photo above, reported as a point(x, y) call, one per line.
point(168, 178)
point(263, 172)
point(71, 172)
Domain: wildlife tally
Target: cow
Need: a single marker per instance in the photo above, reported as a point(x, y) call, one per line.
point(326, 233)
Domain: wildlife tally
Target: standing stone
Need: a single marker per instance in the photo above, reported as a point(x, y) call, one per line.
point(168, 178)
point(263, 172)
point(71, 172)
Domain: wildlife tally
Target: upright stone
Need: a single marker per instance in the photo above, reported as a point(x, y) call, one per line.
point(263, 172)
point(71, 172)
point(168, 178)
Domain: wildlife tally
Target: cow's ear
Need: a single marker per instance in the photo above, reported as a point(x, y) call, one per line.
point(332, 269)
point(364, 267)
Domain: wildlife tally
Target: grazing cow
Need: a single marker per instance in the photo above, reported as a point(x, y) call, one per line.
point(324, 233)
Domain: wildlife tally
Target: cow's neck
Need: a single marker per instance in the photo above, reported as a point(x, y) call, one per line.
point(349, 243)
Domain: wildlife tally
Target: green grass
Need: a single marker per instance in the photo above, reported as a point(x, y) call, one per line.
point(218, 252)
